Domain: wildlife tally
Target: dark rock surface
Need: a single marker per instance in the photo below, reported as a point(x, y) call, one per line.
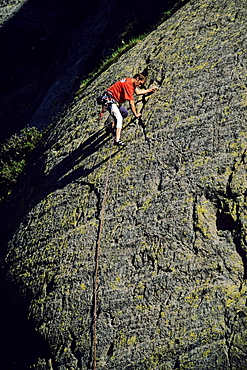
point(172, 259)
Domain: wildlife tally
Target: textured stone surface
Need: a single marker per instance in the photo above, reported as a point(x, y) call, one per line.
point(172, 260)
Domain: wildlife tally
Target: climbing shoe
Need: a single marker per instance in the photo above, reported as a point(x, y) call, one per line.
point(119, 143)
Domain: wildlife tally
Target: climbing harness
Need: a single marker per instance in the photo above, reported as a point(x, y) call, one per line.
point(105, 100)
point(97, 250)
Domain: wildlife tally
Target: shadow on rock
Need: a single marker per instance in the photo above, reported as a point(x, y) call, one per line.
point(20, 344)
point(34, 185)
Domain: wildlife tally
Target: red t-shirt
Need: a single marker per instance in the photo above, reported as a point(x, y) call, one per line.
point(122, 90)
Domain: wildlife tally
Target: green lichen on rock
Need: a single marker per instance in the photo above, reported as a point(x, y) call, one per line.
point(172, 259)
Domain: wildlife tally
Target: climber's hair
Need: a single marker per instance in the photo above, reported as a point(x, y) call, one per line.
point(139, 76)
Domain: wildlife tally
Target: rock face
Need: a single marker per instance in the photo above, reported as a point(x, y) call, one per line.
point(166, 245)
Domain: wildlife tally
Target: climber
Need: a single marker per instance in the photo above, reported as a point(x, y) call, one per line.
point(117, 94)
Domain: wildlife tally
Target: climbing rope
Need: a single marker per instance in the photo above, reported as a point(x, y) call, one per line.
point(96, 280)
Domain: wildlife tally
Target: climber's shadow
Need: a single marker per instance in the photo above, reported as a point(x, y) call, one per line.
point(61, 175)
point(90, 146)
point(33, 189)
